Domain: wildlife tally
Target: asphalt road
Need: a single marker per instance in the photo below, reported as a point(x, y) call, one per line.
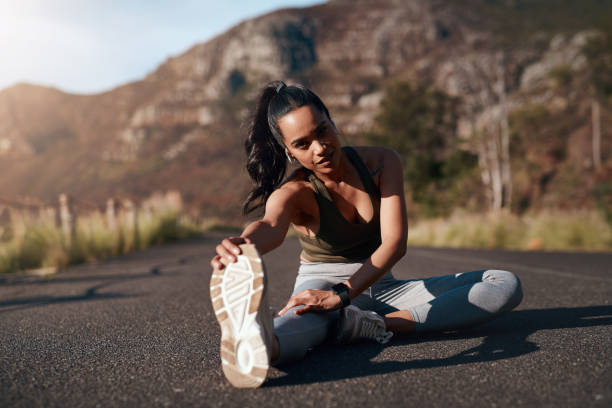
point(140, 331)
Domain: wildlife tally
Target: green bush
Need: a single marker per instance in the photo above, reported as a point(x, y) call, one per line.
point(419, 122)
point(561, 75)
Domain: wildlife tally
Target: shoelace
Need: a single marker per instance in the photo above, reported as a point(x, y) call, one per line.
point(372, 330)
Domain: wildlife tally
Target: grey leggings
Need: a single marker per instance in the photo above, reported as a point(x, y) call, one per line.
point(438, 303)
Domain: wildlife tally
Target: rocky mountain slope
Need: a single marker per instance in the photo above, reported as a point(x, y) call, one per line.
point(182, 126)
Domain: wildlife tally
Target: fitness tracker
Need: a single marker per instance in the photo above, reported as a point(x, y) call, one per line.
point(343, 291)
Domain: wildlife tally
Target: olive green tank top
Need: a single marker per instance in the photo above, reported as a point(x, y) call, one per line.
point(339, 240)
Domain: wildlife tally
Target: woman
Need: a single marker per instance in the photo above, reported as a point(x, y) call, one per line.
point(348, 207)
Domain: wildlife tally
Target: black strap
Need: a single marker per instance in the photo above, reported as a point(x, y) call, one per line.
point(342, 290)
point(364, 173)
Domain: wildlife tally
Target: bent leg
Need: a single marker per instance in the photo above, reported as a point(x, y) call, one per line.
point(454, 301)
point(297, 333)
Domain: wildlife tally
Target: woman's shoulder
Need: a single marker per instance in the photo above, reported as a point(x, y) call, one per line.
point(374, 157)
point(297, 176)
point(296, 182)
point(294, 192)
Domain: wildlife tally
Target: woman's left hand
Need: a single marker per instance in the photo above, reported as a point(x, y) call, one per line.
point(314, 300)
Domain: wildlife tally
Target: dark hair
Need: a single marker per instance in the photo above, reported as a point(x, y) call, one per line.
point(266, 159)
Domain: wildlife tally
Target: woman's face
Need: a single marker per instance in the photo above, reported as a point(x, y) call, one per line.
point(311, 138)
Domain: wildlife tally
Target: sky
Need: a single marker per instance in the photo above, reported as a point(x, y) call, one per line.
point(90, 46)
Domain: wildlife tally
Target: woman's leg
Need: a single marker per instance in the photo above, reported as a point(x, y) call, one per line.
point(448, 302)
point(401, 321)
point(298, 333)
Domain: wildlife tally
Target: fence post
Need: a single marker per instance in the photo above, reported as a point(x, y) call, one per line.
point(131, 221)
point(174, 200)
point(111, 220)
point(5, 221)
point(66, 219)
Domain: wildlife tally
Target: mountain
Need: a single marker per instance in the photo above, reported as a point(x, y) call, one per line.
point(182, 126)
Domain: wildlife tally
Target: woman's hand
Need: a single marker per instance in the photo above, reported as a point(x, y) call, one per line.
point(227, 251)
point(314, 300)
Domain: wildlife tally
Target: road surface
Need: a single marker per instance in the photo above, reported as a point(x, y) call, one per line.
point(140, 331)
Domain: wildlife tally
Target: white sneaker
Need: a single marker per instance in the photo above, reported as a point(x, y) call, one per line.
point(358, 324)
point(239, 297)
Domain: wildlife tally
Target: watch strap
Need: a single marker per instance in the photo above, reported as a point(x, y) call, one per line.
point(342, 290)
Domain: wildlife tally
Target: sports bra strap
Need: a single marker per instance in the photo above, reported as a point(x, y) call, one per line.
point(319, 186)
point(364, 173)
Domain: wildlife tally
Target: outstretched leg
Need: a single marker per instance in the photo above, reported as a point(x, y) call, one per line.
point(449, 302)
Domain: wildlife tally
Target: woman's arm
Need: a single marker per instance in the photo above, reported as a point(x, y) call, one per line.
point(267, 233)
point(393, 227)
point(394, 233)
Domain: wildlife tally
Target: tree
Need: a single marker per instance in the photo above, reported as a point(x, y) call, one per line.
point(419, 122)
point(598, 51)
point(487, 107)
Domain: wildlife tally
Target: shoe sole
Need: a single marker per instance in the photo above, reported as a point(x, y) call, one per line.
point(238, 298)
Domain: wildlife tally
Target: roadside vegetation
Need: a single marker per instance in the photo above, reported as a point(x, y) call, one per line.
point(581, 230)
point(518, 179)
point(512, 183)
point(33, 241)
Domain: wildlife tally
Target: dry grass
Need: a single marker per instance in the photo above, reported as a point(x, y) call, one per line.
point(582, 230)
point(36, 241)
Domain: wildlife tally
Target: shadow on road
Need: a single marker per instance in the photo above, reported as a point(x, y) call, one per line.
point(172, 267)
point(89, 295)
point(505, 337)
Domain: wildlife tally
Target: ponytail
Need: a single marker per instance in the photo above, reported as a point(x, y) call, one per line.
point(266, 159)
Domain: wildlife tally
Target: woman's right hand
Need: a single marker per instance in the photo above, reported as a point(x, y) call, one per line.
point(227, 251)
